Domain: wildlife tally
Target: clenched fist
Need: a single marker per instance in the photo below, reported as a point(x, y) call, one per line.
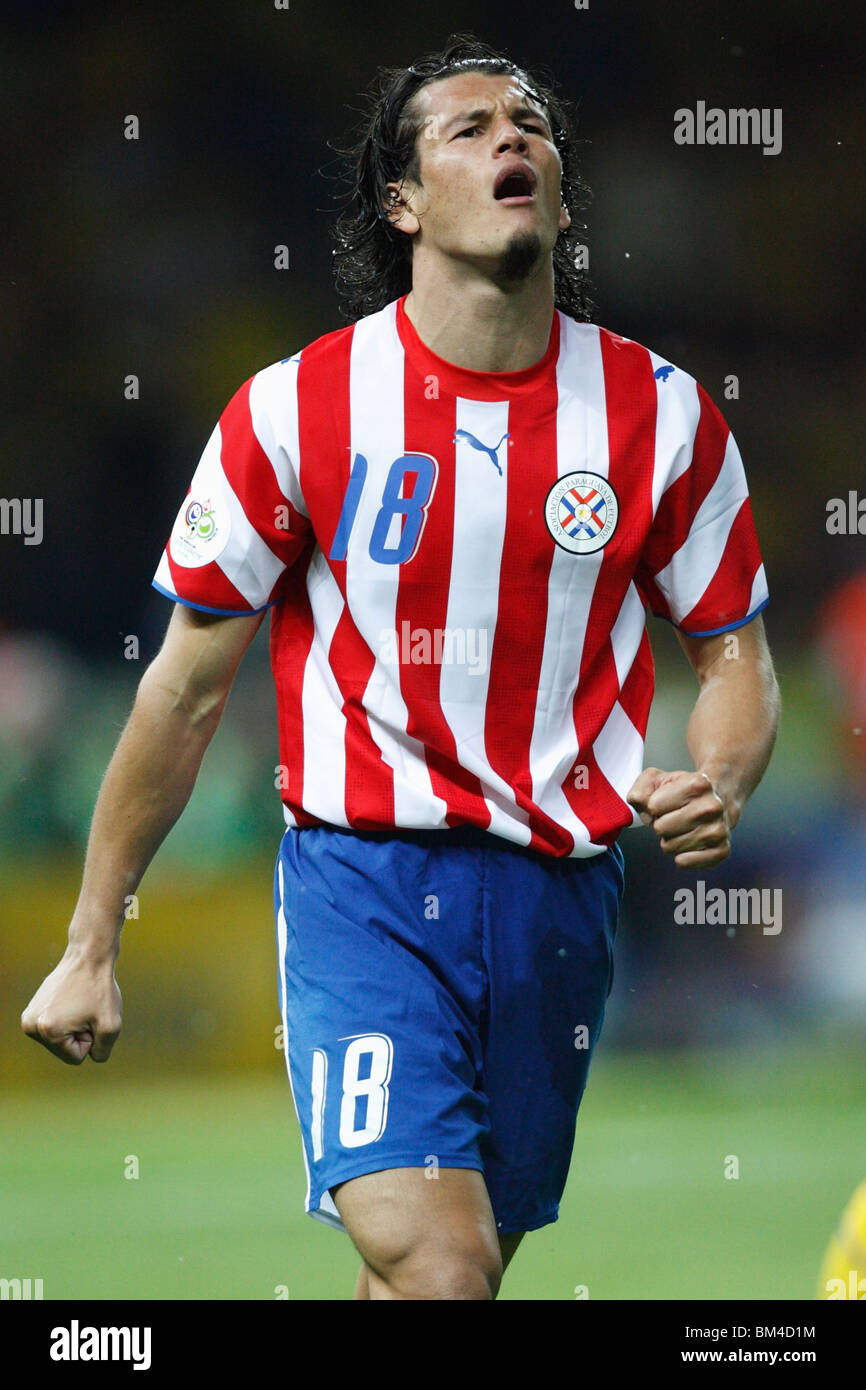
point(687, 814)
point(76, 1011)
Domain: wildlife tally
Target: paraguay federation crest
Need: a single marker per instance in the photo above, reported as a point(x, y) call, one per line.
point(581, 512)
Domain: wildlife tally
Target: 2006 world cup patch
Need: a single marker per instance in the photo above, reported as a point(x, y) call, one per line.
point(581, 512)
point(200, 533)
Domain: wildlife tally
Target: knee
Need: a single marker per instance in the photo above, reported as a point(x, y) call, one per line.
point(470, 1271)
point(462, 1275)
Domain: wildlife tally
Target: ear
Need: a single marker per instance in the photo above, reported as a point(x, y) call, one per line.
point(564, 218)
point(398, 210)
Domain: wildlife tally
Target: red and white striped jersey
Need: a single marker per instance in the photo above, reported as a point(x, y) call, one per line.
point(459, 565)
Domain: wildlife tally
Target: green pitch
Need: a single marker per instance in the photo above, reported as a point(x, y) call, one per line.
point(216, 1209)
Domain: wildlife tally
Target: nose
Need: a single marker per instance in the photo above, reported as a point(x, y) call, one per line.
point(510, 137)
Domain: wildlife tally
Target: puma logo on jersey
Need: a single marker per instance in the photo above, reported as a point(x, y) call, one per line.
point(662, 373)
point(482, 448)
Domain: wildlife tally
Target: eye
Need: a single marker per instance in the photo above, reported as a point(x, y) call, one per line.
point(470, 130)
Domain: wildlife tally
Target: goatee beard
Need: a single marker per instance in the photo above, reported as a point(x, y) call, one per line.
point(519, 258)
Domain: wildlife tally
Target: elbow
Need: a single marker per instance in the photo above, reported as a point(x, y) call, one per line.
point(179, 695)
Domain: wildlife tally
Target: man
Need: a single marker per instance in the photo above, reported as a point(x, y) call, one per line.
point(458, 510)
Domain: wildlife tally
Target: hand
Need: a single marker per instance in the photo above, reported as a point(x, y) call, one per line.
point(76, 1011)
point(687, 814)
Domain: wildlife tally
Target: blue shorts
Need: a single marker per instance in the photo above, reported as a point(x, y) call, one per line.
point(441, 994)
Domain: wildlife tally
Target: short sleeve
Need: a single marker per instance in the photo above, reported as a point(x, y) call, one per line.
point(243, 522)
point(701, 566)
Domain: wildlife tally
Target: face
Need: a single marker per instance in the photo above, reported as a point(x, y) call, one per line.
point(490, 175)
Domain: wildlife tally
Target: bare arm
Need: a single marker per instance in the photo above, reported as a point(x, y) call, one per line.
point(149, 780)
point(730, 737)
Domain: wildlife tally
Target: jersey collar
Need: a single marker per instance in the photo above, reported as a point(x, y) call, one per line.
point(462, 381)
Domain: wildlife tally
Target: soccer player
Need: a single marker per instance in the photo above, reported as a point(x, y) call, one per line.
point(457, 510)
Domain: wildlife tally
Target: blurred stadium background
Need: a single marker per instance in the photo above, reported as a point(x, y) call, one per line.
point(155, 257)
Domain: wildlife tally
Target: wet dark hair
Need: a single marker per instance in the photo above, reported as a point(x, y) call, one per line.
point(373, 259)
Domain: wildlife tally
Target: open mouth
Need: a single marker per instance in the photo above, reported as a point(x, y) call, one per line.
point(515, 185)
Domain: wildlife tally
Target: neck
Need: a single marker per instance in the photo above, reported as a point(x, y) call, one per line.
point(474, 323)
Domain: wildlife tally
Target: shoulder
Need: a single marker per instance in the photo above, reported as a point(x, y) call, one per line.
point(331, 344)
point(617, 348)
point(635, 374)
point(269, 396)
point(323, 358)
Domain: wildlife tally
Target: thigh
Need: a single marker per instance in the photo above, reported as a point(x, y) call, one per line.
point(379, 1009)
point(549, 942)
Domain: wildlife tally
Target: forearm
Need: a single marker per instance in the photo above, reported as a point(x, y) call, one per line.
point(146, 787)
point(732, 728)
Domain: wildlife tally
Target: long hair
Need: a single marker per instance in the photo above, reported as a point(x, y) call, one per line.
point(373, 259)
